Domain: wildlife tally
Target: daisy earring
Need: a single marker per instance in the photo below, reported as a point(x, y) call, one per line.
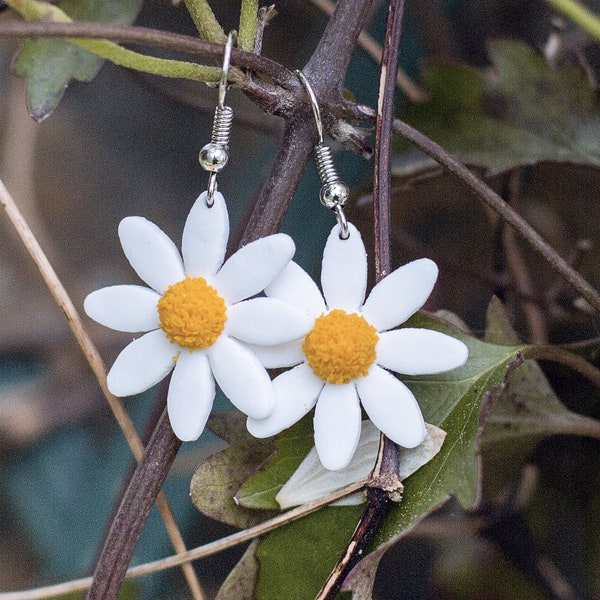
point(198, 313)
point(342, 364)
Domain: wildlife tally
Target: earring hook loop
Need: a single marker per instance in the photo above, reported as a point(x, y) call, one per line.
point(231, 39)
point(313, 103)
point(340, 215)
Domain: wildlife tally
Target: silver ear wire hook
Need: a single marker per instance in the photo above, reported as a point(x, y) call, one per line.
point(334, 193)
point(214, 155)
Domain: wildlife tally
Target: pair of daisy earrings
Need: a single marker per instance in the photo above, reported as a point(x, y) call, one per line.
point(210, 321)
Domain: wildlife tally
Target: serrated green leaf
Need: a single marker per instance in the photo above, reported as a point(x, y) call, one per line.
point(519, 113)
point(49, 65)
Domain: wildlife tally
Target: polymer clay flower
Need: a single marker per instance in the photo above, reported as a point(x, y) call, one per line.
point(344, 359)
point(196, 314)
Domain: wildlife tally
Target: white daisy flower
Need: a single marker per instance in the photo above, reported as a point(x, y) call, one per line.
point(345, 358)
point(196, 314)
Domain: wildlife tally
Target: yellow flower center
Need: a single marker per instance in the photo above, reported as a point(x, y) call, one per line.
point(192, 314)
point(341, 346)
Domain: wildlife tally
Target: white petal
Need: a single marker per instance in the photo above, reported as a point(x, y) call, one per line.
point(296, 392)
point(151, 253)
point(419, 351)
point(191, 394)
point(400, 294)
point(253, 267)
point(279, 355)
point(311, 481)
point(142, 364)
point(242, 378)
point(337, 425)
point(344, 270)
point(267, 321)
point(124, 307)
point(392, 407)
point(205, 237)
point(296, 286)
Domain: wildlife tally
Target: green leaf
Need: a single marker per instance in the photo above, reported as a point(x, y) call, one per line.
point(219, 477)
point(296, 559)
point(49, 65)
point(291, 447)
point(519, 113)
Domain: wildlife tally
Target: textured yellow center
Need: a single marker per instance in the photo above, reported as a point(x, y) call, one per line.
point(340, 346)
point(192, 314)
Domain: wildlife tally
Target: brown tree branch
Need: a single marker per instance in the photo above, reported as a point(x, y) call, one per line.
point(326, 68)
point(133, 511)
point(273, 200)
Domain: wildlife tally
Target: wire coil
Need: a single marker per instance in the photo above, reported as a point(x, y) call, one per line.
point(325, 166)
point(222, 125)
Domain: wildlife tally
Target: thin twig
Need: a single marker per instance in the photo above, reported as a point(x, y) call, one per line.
point(377, 503)
point(248, 25)
point(94, 359)
point(385, 473)
point(149, 37)
point(562, 356)
point(265, 14)
point(384, 484)
point(204, 19)
point(203, 551)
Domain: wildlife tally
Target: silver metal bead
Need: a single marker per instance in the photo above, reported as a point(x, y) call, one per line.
point(213, 157)
point(334, 193)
